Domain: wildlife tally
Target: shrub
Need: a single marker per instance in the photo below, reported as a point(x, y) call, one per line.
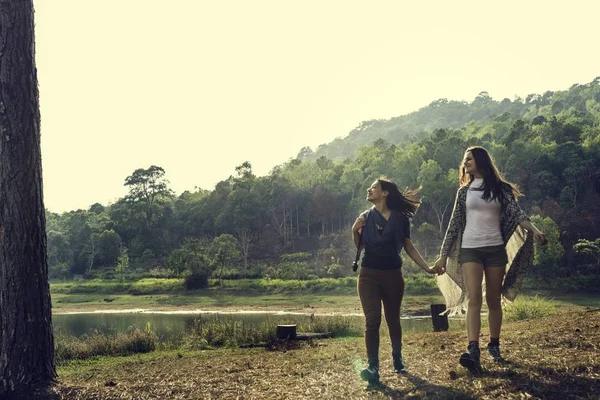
point(99, 344)
point(271, 273)
point(420, 284)
point(58, 271)
point(293, 270)
point(295, 257)
point(229, 332)
point(529, 308)
point(138, 341)
point(196, 280)
point(157, 272)
point(336, 270)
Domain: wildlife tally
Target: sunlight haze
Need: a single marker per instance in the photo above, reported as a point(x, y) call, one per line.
point(199, 87)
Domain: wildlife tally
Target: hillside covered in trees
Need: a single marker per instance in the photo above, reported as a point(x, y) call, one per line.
point(294, 222)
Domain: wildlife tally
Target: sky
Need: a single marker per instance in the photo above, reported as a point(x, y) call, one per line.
point(198, 87)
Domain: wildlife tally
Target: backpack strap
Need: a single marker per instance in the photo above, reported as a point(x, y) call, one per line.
point(359, 249)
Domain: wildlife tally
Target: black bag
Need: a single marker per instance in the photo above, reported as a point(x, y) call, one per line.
point(355, 263)
point(358, 250)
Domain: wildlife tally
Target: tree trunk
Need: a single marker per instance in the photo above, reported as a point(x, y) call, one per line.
point(93, 251)
point(286, 332)
point(440, 322)
point(297, 223)
point(245, 236)
point(290, 235)
point(439, 218)
point(26, 339)
point(308, 226)
point(285, 227)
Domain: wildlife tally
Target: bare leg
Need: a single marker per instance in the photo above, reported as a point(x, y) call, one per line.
point(473, 276)
point(493, 292)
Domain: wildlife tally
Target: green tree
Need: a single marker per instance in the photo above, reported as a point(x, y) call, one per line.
point(547, 257)
point(589, 248)
point(438, 189)
point(407, 164)
point(336, 270)
point(324, 207)
point(122, 264)
point(147, 187)
point(59, 271)
point(305, 152)
point(97, 208)
point(128, 218)
point(294, 266)
point(352, 181)
point(449, 150)
point(109, 248)
point(59, 249)
point(190, 260)
point(184, 258)
point(245, 238)
point(83, 231)
point(226, 251)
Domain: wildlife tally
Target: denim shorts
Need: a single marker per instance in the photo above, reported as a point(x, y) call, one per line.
point(491, 256)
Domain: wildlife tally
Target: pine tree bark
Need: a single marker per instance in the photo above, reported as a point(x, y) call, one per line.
point(26, 339)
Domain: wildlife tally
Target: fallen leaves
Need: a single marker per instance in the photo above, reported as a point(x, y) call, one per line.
point(546, 358)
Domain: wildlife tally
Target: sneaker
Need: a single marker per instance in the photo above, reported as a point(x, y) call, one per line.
point(494, 350)
point(399, 365)
point(471, 360)
point(370, 374)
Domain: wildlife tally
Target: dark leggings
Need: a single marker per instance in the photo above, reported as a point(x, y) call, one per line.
point(374, 287)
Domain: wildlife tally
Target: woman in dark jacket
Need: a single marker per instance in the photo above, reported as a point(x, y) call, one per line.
point(383, 231)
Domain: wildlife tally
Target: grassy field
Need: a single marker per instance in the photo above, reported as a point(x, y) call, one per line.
point(548, 358)
point(317, 296)
point(418, 284)
point(320, 295)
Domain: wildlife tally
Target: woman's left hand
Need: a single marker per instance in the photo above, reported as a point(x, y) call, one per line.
point(435, 270)
point(540, 237)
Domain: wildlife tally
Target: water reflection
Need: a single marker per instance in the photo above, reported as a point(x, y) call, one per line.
point(167, 325)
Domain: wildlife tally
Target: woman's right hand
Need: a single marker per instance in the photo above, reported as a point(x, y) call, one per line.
point(359, 223)
point(440, 265)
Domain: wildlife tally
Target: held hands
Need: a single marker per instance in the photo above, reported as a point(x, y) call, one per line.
point(436, 270)
point(359, 223)
point(432, 270)
point(440, 265)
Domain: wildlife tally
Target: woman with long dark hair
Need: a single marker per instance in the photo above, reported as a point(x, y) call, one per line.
point(489, 234)
point(383, 231)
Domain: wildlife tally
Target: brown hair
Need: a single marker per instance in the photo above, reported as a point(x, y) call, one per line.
point(407, 202)
point(493, 181)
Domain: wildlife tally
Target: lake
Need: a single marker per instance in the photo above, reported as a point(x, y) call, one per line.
point(169, 324)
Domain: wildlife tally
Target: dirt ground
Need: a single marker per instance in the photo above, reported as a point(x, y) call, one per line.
point(555, 357)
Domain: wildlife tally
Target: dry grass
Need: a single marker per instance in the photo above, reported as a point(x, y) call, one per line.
point(98, 344)
point(556, 357)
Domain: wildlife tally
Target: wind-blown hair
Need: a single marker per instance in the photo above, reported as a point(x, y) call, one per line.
point(493, 181)
point(406, 202)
